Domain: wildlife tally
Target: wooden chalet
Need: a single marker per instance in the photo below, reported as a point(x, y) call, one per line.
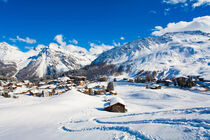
point(116, 105)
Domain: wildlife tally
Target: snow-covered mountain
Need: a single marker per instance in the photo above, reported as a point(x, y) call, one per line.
point(12, 59)
point(180, 53)
point(54, 59)
point(173, 54)
point(43, 60)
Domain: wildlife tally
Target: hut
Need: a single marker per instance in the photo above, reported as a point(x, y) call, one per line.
point(153, 86)
point(19, 85)
point(100, 92)
point(102, 79)
point(116, 105)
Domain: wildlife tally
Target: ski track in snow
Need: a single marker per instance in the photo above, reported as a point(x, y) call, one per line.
point(138, 134)
point(128, 130)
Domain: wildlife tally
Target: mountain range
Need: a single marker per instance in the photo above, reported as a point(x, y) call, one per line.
point(173, 54)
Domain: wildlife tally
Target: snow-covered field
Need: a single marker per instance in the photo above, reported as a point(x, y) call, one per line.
point(168, 113)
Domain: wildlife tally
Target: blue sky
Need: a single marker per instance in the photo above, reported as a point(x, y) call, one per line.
point(95, 21)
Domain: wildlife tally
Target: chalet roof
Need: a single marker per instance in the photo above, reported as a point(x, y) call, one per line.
point(63, 78)
point(115, 100)
point(35, 91)
point(26, 81)
point(47, 86)
point(42, 83)
point(19, 84)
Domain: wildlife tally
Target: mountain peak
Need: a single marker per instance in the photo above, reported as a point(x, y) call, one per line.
point(175, 53)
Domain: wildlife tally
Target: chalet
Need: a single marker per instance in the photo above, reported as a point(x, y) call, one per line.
point(5, 86)
point(115, 105)
point(131, 80)
point(80, 78)
point(63, 79)
point(100, 92)
point(24, 92)
point(41, 84)
point(26, 81)
point(102, 79)
point(34, 87)
point(35, 92)
point(60, 91)
point(165, 82)
point(125, 79)
point(19, 85)
point(153, 86)
point(113, 93)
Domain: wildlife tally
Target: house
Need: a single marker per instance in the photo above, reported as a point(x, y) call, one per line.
point(35, 92)
point(113, 93)
point(60, 91)
point(125, 79)
point(100, 92)
point(25, 92)
point(102, 79)
point(131, 80)
point(19, 85)
point(153, 86)
point(80, 83)
point(116, 105)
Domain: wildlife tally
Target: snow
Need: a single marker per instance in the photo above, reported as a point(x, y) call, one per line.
point(168, 113)
point(115, 100)
point(177, 54)
point(44, 59)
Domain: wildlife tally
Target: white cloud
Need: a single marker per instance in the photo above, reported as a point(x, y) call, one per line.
point(201, 2)
point(200, 23)
point(195, 3)
point(122, 38)
point(26, 40)
point(97, 49)
point(59, 39)
point(174, 1)
point(158, 28)
point(74, 41)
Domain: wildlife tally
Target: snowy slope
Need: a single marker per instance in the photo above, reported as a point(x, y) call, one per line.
point(181, 53)
point(168, 113)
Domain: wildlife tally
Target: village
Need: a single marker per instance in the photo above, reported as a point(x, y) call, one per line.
point(14, 88)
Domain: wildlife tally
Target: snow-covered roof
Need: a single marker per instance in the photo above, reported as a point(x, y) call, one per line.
point(116, 100)
point(64, 78)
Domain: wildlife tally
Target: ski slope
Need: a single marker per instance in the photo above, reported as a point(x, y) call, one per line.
point(168, 113)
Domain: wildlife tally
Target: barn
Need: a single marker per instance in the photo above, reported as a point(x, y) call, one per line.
point(116, 105)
